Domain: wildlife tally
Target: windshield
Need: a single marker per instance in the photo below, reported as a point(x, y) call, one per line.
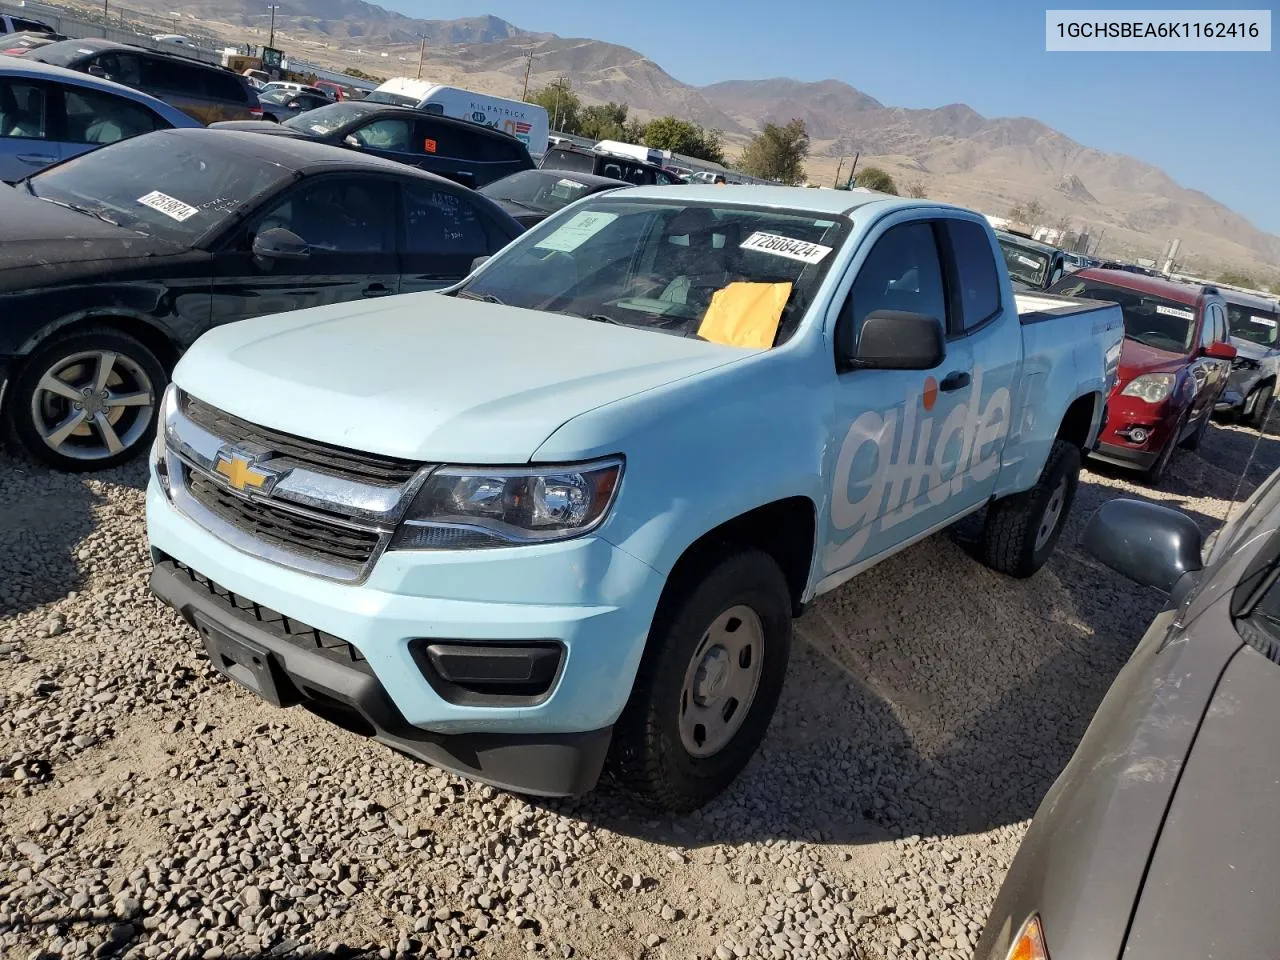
point(1252, 324)
point(543, 192)
point(689, 269)
point(160, 184)
point(65, 52)
point(1154, 321)
point(1025, 264)
point(396, 99)
point(276, 96)
point(328, 118)
point(561, 159)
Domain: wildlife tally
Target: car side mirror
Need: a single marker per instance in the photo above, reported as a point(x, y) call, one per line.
point(1220, 350)
point(479, 262)
point(1148, 543)
point(280, 244)
point(96, 71)
point(899, 340)
point(294, 105)
point(351, 141)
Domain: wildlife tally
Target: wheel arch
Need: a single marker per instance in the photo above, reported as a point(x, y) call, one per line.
point(785, 529)
point(141, 328)
point(1077, 424)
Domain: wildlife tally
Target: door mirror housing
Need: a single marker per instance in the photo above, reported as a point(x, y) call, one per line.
point(351, 141)
point(1221, 350)
point(899, 340)
point(1150, 544)
point(479, 262)
point(94, 70)
point(280, 244)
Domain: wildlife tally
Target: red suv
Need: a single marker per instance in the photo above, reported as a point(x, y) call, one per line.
point(1174, 364)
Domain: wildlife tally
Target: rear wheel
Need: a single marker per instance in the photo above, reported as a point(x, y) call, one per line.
point(708, 684)
point(1021, 530)
point(88, 400)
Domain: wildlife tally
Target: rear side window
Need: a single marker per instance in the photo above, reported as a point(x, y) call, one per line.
point(173, 77)
point(97, 117)
point(442, 222)
point(977, 283)
point(121, 67)
point(21, 26)
point(559, 159)
point(225, 86)
point(23, 109)
point(1206, 328)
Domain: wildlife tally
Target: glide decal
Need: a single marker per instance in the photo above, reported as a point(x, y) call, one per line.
point(901, 462)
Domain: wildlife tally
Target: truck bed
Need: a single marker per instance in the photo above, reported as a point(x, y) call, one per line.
point(1037, 307)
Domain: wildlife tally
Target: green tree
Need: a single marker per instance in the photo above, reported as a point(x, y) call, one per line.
point(681, 136)
point(778, 153)
point(873, 178)
point(562, 105)
point(1237, 279)
point(604, 121)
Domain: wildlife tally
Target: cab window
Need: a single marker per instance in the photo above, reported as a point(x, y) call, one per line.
point(902, 272)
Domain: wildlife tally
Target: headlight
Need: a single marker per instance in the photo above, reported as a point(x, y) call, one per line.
point(1029, 944)
point(1151, 387)
point(159, 451)
point(463, 508)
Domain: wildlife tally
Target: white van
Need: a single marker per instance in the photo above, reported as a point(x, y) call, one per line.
point(634, 151)
point(525, 121)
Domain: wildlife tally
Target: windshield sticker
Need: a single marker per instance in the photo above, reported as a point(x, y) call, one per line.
point(578, 230)
point(169, 206)
point(781, 246)
point(1028, 261)
point(1265, 321)
point(1175, 312)
point(567, 183)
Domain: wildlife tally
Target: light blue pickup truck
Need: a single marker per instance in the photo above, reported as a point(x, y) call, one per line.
point(566, 510)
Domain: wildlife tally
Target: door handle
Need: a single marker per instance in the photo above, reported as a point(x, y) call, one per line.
point(376, 290)
point(955, 380)
point(36, 158)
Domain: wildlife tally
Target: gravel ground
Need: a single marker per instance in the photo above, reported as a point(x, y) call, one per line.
point(149, 808)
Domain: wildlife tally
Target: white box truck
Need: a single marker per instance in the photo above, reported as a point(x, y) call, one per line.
point(525, 121)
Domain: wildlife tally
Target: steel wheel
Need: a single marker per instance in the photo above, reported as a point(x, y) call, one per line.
point(721, 681)
point(1052, 514)
point(92, 405)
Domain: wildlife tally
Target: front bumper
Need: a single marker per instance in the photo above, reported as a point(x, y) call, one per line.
point(1239, 386)
point(1116, 446)
point(594, 599)
point(1125, 456)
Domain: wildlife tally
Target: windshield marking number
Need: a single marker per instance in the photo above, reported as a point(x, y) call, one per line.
point(1175, 312)
point(172, 208)
point(788, 247)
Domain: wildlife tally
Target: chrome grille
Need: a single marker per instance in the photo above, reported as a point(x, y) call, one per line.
point(294, 451)
point(308, 534)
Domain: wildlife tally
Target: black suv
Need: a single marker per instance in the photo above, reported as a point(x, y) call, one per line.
point(464, 152)
point(581, 160)
point(205, 91)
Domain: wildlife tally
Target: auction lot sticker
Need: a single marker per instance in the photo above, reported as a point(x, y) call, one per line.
point(169, 206)
point(577, 231)
point(781, 246)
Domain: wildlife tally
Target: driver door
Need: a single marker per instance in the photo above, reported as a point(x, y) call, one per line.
point(350, 223)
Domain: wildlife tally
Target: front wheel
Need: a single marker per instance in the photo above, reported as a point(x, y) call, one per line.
point(1021, 530)
point(708, 683)
point(88, 400)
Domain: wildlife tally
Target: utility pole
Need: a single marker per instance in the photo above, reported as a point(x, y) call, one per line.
point(854, 168)
point(839, 167)
point(562, 83)
point(528, 68)
point(422, 53)
point(104, 10)
point(271, 35)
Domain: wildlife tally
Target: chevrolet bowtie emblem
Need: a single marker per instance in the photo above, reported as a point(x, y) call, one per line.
point(242, 472)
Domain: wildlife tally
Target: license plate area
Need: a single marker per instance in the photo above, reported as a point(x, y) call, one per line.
point(247, 663)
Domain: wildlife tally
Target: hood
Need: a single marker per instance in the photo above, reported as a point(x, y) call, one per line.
point(1138, 358)
point(1251, 350)
point(431, 377)
point(36, 233)
point(1210, 886)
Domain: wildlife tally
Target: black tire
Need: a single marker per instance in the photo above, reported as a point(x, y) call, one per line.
point(648, 757)
point(1261, 405)
point(1011, 537)
point(135, 426)
point(1193, 441)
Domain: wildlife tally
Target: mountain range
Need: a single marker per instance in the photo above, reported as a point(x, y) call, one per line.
point(952, 153)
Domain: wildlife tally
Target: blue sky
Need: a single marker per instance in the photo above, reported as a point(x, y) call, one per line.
point(1210, 120)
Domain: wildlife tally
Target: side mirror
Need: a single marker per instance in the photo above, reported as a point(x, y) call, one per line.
point(96, 71)
point(280, 244)
point(899, 340)
point(1153, 545)
point(294, 105)
point(351, 141)
point(479, 262)
point(1221, 350)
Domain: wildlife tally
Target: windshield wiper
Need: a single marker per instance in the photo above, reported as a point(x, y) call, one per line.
point(483, 297)
point(77, 208)
point(521, 203)
point(605, 318)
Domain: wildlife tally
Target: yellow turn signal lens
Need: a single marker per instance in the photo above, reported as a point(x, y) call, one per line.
point(1029, 944)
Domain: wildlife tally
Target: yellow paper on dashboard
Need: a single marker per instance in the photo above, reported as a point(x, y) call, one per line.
point(745, 314)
